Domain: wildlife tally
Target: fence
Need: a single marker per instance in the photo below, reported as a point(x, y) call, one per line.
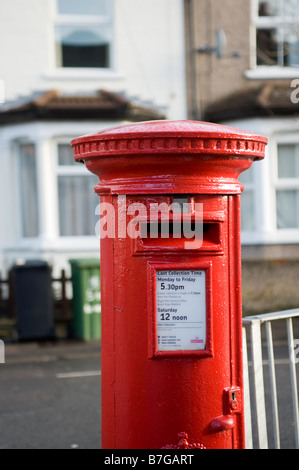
point(7, 321)
point(259, 426)
point(61, 303)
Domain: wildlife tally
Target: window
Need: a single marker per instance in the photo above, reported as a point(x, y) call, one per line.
point(287, 186)
point(28, 191)
point(77, 200)
point(277, 33)
point(83, 33)
point(247, 202)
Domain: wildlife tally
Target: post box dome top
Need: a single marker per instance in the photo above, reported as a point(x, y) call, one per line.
point(169, 157)
point(166, 137)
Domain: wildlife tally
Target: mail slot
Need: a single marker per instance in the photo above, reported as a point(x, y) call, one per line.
point(171, 281)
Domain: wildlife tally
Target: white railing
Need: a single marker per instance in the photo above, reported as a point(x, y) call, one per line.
point(254, 389)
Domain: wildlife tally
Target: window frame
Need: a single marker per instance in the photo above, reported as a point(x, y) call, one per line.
point(250, 186)
point(84, 20)
point(22, 226)
point(266, 183)
point(284, 183)
point(68, 170)
point(45, 135)
point(267, 71)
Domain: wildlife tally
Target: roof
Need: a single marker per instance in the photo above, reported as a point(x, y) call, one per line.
point(268, 99)
point(54, 105)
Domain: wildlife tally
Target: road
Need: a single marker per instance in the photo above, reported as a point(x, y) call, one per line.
point(50, 396)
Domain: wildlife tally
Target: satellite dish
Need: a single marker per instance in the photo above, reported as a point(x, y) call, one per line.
point(220, 39)
point(219, 48)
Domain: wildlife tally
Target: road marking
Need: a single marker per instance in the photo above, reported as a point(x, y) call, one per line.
point(71, 375)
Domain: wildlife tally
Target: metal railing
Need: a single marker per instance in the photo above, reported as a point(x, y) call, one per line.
point(254, 388)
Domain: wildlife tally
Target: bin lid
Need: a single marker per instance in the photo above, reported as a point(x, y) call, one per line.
point(31, 263)
point(85, 262)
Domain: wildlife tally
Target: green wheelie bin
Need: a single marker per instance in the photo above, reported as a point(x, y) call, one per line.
point(86, 298)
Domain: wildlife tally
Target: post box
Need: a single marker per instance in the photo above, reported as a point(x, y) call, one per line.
point(171, 305)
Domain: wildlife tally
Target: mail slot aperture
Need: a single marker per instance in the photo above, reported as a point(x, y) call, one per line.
point(176, 234)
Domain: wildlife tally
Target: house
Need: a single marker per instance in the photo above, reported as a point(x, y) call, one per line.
point(243, 71)
point(70, 68)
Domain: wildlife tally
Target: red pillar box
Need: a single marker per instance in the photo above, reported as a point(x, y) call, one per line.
point(171, 304)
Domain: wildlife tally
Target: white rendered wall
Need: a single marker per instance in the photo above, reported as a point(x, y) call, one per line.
point(48, 245)
point(148, 53)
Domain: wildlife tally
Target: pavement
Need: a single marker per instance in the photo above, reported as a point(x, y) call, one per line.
point(45, 351)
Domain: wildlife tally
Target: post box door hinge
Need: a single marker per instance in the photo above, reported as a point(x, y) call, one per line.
point(232, 403)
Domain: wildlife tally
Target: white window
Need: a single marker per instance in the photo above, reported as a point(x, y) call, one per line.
point(28, 191)
point(83, 34)
point(77, 200)
point(248, 213)
point(277, 33)
point(287, 186)
point(270, 201)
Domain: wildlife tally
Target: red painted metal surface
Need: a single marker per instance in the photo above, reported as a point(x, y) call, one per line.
point(150, 395)
point(183, 443)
